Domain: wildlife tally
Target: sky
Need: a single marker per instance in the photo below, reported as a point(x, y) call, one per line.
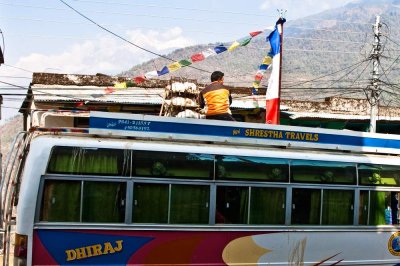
point(49, 36)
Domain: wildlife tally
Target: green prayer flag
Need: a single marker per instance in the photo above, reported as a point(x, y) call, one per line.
point(185, 62)
point(245, 42)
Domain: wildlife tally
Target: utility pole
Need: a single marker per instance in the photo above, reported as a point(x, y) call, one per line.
point(375, 89)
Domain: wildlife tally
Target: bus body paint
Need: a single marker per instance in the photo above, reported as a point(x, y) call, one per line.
point(333, 247)
point(139, 247)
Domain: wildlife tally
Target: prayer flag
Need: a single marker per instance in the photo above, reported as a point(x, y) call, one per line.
point(233, 46)
point(174, 67)
point(109, 90)
point(245, 42)
point(197, 57)
point(267, 60)
point(185, 62)
point(163, 71)
point(209, 52)
point(255, 33)
point(151, 74)
point(139, 79)
point(220, 49)
point(121, 85)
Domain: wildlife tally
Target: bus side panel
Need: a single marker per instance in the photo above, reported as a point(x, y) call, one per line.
point(102, 247)
point(98, 247)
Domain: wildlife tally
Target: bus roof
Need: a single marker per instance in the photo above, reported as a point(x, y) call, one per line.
point(240, 133)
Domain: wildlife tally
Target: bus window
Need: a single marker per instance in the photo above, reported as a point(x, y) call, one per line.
point(303, 171)
point(61, 201)
point(173, 164)
point(379, 207)
point(379, 175)
point(104, 202)
point(252, 168)
point(337, 207)
point(232, 205)
point(190, 204)
point(150, 203)
point(171, 203)
point(267, 205)
point(306, 206)
point(89, 161)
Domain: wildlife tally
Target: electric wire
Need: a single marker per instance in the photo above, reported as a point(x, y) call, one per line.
point(122, 38)
point(147, 6)
point(23, 69)
point(327, 75)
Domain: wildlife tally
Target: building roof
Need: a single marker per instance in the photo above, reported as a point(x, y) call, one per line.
point(131, 95)
point(49, 87)
point(100, 89)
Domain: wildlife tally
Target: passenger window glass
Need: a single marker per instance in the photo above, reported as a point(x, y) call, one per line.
point(267, 205)
point(61, 201)
point(89, 161)
point(383, 208)
point(252, 168)
point(104, 202)
point(173, 165)
point(338, 207)
point(323, 172)
point(232, 205)
point(379, 175)
point(190, 204)
point(150, 203)
point(306, 206)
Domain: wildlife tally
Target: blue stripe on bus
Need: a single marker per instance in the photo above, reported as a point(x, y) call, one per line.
point(131, 125)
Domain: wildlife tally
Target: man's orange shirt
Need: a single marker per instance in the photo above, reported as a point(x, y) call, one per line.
point(216, 99)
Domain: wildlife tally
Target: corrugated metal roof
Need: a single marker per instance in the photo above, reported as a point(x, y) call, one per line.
point(299, 115)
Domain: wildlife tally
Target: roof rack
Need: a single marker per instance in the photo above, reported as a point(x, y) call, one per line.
point(240, 133)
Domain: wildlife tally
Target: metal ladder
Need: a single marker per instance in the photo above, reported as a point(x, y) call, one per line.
point(9, 188)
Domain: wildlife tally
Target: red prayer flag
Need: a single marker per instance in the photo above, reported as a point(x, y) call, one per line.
point(197, 57)
point(258, 76)
point(255, 33)
point(109, 90)
point(139, 79)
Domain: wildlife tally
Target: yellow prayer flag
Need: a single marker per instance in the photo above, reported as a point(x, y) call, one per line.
point(234, 45)
point(174, 67)
point(267, 60)
point(121, 85)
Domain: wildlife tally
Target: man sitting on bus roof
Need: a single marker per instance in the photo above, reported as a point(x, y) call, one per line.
point(216, 98)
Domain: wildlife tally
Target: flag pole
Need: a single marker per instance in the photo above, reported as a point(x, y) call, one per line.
point(272, 104)
point(280, 30)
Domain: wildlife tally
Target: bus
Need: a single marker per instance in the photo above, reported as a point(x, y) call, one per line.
point(147, 190)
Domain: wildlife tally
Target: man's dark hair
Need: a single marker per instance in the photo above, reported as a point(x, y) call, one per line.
point(216, 75)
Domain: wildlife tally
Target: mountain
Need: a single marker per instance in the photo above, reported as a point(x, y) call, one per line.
point(7, 133)
point(334, 41)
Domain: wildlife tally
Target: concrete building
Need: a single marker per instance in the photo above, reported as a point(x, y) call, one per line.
point(62, 100)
